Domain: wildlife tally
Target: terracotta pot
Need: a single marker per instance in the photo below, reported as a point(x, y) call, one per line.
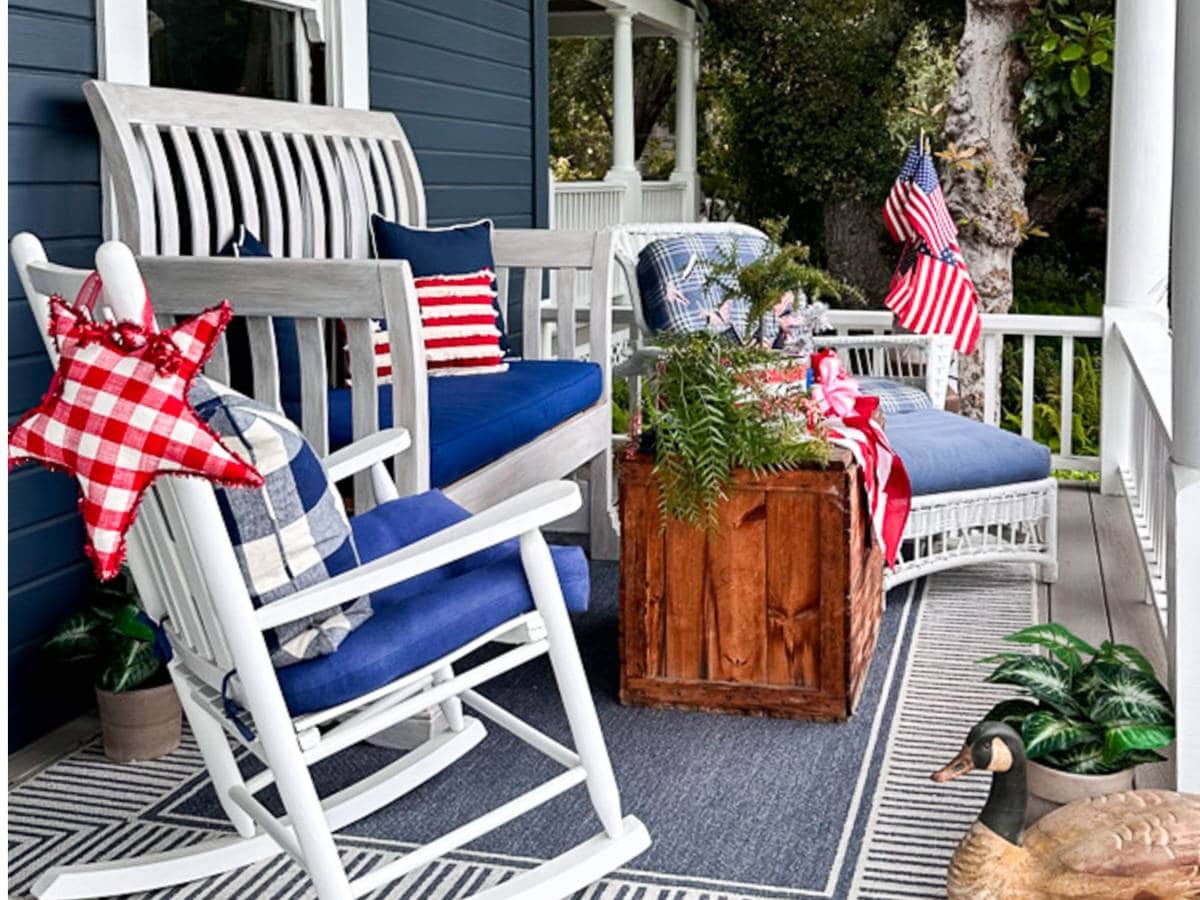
point(1061, 788)
point(140, 724)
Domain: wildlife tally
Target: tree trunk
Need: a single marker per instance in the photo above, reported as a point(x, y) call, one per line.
point(856, 249)
point(987, 194)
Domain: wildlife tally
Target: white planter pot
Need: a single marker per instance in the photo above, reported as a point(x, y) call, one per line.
point(1061, 788)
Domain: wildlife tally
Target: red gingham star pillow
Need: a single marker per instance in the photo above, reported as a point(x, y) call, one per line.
point(116, 416)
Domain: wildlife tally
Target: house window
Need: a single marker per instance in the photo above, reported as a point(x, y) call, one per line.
point(311, 51)
point(236, 47)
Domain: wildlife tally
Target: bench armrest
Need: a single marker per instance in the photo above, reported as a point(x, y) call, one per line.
point(528, 511)
point(365, 453)
point(888, 355)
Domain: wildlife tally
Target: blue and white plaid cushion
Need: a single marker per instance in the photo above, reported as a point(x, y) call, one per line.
point(670, 274)
point(895, 398)
point(290, 534)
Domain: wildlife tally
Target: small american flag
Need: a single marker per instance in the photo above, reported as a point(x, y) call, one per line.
point(915, 206)
point(932, 291)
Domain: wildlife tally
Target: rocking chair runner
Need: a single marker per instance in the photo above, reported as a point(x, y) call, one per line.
point(189, 578)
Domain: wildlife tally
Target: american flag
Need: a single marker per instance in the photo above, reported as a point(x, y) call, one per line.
point(915, 206)
point(932, 291)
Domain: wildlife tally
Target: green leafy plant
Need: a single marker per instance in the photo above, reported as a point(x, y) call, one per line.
point(1087, 710)
point(711, 412)
point(109, 639)
point(1068, 43)
point(765, 280)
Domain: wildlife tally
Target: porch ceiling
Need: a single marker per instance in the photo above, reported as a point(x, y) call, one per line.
point(651, 18)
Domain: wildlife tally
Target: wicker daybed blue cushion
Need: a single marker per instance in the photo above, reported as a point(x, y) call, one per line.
point(476, 419)
point(419, 620)
point(945, 452)
point(894, 397)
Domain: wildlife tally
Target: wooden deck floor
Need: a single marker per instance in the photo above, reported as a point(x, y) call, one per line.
point(1101, 593)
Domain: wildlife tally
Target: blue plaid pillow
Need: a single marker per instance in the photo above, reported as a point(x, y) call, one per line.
point(670, 275)
point(895, 398)
point(290, 534)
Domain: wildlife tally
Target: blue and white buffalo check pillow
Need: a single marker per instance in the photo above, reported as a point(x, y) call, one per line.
point(895, 398)
point(290, 534)
point(671, 275)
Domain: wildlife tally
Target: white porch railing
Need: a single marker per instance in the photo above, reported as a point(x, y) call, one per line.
point(586, 205)
point(662, 201)
point(1031, 329)
point(1145, 454)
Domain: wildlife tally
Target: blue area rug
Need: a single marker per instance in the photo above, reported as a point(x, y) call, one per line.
point(736, 806)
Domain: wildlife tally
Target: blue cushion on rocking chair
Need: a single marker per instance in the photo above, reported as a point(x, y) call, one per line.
point(422, 619)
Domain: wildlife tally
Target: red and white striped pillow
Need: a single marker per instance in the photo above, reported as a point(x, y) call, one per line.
point(458, 325)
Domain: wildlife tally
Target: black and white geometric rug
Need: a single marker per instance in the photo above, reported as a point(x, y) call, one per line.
point(737, 807)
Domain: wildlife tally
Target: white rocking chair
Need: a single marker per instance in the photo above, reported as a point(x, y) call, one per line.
point(188, 577)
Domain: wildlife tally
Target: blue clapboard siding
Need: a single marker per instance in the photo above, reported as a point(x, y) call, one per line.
point(53, 191)
point(468, 80)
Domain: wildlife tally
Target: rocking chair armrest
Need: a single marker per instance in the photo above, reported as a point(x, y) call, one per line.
point(364, 453)
point(528, 511)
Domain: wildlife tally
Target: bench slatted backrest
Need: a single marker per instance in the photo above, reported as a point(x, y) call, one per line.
point(188, 167)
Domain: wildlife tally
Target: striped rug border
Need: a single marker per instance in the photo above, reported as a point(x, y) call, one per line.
point(915, 825)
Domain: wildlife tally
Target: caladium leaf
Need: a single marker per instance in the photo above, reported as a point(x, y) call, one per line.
point(127, 621)
point(1129, 696)
point(132, 664)
point(1044, 732)
point(1132, 758)
point(1046, 679)
point(1125, 655)
point(1084, 759)
point(78, 637)
point(1067, 647)
point(1011, 712)
point(1125, 738)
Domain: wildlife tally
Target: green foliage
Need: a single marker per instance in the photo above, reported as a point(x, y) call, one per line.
point(920, 88)
point(711, 416)
point(763, 281)
point(108, 638)
point(1084, 709)
point(1069, 45)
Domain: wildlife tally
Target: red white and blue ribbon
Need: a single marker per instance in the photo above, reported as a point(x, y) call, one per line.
point(848, 413)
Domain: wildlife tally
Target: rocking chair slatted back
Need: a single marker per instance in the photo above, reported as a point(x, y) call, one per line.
point(305, 179)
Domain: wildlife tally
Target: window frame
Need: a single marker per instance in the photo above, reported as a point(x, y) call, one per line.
point(123, 45)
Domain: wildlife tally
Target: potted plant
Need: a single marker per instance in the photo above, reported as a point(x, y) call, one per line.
point(111, 641)
point(1089, 716)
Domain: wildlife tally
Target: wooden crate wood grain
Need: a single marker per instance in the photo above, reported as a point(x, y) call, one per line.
point(775, 613)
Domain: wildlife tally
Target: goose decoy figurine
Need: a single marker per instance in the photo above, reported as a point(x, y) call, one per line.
point(1133, 845)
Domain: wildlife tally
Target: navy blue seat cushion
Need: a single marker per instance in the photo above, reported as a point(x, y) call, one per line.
point(476, 419)
point(287, 345)
point(422, 619)
point(453, 250)
point(946, 452)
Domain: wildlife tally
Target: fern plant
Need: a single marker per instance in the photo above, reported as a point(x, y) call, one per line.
point(1087, 710)
point(711, 411)
point(109, 639)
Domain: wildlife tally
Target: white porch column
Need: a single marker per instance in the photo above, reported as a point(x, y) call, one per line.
point(685, 117)
point(624, 165)
point(1139, 201)
point(1183, 559)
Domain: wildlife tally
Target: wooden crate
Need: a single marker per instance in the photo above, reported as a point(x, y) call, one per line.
point(777, 613)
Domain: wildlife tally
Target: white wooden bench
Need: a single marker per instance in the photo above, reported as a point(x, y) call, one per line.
point(189, 167)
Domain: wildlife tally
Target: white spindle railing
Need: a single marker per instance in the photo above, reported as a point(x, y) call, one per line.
point(586, 205)
point(1146, 452)
point(662, 201)
point(1031, 329)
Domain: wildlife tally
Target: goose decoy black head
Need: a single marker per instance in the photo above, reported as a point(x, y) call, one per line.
point(997, 748)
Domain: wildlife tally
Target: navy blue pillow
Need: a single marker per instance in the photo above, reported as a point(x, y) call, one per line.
point(287, 345)
point(456, 250)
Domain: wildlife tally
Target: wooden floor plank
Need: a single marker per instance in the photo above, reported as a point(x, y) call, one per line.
point(1077, 598)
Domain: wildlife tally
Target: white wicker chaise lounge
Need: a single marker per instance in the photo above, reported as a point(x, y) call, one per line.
point(980, 494)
